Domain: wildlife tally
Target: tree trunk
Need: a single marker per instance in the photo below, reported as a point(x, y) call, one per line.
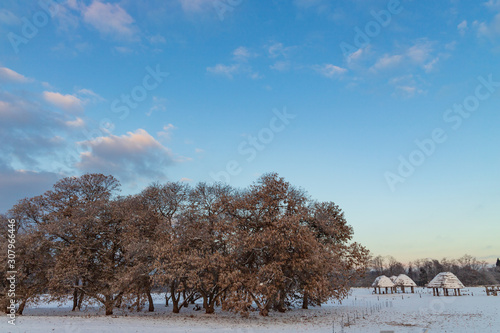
point(280, 306)
point(75, 299)
point(139, 301)
point(264, 312)
point(109, 308)
point(150, 301)
point(109, 304)
point(305, 301)
point(80, 300)
point(210, 305)
point(176, 306)
point(118, 301)
point(186, 304)
point(175, 300)
point(21, 307)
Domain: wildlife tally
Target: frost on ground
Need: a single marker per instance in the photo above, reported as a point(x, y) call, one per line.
point(361, 312)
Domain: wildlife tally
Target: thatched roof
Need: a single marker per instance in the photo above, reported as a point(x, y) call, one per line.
point(446, 280)
point(393, 278)
point(382, 282)
point(404, 280)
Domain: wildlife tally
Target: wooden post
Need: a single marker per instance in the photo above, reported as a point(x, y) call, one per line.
point(412, 290)
point(459, 293)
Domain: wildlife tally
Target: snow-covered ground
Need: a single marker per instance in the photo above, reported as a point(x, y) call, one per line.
point(361, 312)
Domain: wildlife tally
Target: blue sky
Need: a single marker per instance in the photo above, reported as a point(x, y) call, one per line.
point(389, 108)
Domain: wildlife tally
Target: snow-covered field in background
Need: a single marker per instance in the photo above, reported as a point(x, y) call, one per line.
point(361, 312)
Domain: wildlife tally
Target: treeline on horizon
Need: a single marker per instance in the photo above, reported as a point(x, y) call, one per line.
point(262, 248)
point(469, 270)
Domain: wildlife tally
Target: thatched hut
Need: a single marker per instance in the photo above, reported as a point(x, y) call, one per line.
point(403, 281)
point(447, 281)
point(383, 282)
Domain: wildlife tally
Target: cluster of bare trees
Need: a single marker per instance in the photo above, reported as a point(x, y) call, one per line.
point(266, 247)
point(468, 269)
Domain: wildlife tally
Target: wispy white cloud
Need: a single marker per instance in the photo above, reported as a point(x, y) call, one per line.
point(493, 4)
point(329, 70)
point(242, 54)
point(428, 67)
point(462, 27)
point(78, 122)
point(159, 104)
point(281, 66)
point(157, 39)
point(135, 155)
point(225, 70)
point(407, 86)
point(488, 29)
point(387, 61)
point(65, 102)
point(90, 95)
point(421, 54)
point(166, 132)
point(8, 75)
point(111, 20)
point(355, 55)
point(279, 50)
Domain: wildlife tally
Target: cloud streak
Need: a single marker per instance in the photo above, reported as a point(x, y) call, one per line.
point(131, 157)
point(8, 75)
point(68, 102)
point(111, 20)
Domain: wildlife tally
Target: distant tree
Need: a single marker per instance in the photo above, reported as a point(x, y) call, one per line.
point(498, 263)
point(423, 278)
point(378, 264)
point(411, 274)
point(394, 267)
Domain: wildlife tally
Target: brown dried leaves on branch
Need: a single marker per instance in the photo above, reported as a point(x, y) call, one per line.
point(267, 247)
